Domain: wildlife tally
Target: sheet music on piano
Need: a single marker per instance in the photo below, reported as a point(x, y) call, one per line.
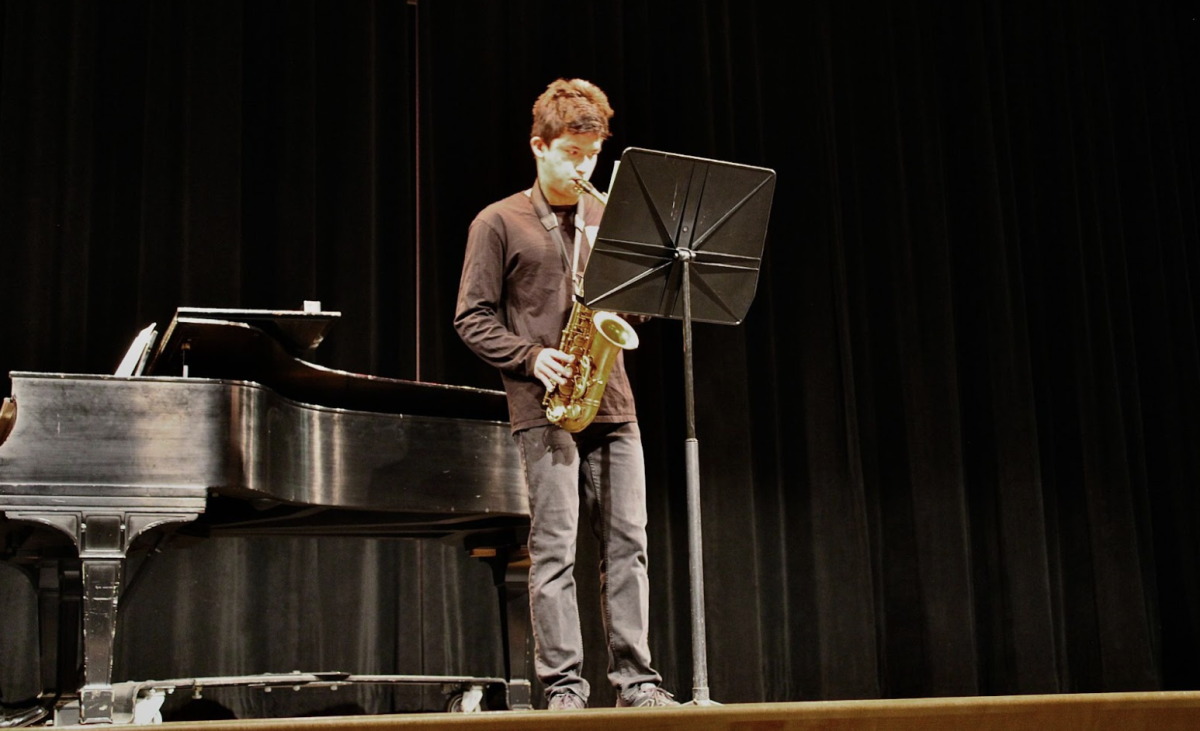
point(134, 362)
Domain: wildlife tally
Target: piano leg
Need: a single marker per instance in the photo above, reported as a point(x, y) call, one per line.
point(103, 538)
point(101, 590)
point(510, 571)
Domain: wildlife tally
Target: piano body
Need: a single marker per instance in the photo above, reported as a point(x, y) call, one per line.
point(231, 432)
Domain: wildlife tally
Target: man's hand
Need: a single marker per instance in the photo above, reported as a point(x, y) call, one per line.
point(553, 367)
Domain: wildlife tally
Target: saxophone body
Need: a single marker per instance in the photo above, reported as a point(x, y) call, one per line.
point(596, 339)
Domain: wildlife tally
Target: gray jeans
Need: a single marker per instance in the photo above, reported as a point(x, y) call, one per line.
point(604, 464)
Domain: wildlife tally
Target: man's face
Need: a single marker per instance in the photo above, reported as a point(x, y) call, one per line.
point(560, 162)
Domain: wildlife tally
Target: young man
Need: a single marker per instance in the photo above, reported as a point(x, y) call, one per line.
point(524, 256)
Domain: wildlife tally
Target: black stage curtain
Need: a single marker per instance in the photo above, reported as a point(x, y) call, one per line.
point(949, 452)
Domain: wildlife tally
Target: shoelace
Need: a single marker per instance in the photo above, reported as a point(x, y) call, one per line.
point(653, 695)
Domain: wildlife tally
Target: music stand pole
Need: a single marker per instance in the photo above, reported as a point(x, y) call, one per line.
point(692, 467)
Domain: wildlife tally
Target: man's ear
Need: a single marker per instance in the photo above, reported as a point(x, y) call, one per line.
point(538, 145)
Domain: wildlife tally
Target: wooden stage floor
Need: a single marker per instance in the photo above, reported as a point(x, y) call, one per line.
point(1162, 711)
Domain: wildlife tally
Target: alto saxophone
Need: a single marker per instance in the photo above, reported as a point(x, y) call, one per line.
point(595, 339)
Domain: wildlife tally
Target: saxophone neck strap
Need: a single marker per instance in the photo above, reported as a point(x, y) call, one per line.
point(549, 221)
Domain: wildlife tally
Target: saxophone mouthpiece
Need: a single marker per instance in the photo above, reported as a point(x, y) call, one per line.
point(583, 186)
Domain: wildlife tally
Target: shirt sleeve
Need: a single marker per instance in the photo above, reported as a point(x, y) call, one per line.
point(479, 315)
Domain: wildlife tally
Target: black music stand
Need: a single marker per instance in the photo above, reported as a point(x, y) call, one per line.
point(668, 214)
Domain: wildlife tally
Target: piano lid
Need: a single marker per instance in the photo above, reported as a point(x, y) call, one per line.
point(240, 349)
point(298, 331)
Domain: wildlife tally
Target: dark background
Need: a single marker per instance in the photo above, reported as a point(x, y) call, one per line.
point(950, 451)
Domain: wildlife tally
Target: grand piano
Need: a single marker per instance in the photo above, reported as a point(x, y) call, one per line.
point(226, 428)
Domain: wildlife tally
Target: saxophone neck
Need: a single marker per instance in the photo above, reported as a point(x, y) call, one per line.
point(584, 186)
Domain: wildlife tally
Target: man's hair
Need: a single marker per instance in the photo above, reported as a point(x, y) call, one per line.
point(575, 107)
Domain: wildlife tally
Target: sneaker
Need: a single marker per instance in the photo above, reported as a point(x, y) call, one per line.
point(566, 701)
point(646, 694)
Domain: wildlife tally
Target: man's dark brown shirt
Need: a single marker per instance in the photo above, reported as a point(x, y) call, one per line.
point(515, 297)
